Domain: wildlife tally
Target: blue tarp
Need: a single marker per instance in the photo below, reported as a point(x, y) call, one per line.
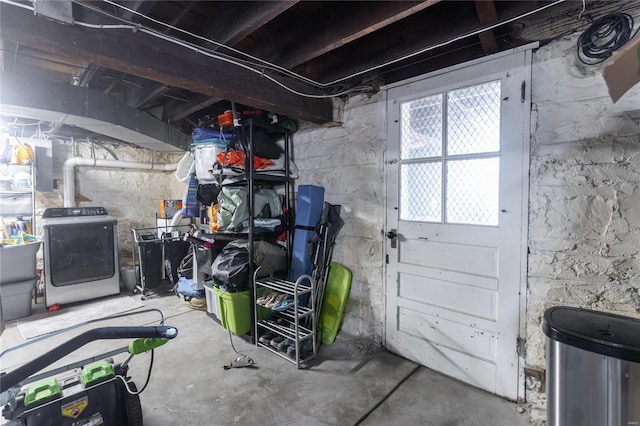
point(185, 287)
point(200, 133)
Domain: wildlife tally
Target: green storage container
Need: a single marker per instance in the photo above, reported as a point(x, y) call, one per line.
point(235, 310)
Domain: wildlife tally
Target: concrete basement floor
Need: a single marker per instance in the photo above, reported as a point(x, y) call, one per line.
point(352, 381)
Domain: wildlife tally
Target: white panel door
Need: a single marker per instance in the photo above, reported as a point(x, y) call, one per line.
point(456, 173)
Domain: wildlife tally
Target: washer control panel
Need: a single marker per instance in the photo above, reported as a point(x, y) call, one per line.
point(73, 212)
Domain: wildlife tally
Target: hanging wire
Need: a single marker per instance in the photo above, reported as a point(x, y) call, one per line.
point(584, 7)
point(604, 36)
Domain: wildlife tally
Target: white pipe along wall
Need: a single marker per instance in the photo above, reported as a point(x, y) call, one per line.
point(70, 165)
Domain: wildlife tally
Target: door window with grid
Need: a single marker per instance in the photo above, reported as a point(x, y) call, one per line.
point(450, 156)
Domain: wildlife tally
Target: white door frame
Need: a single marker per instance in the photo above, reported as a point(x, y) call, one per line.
point(526, 135)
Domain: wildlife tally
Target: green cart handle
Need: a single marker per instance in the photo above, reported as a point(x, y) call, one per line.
point(162, 332)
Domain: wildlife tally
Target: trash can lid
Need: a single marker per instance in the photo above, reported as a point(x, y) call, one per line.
point(600, 332)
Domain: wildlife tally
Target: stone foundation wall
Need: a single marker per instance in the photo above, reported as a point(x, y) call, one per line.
point(132, 196)
point(584, 200)
point(348, 162)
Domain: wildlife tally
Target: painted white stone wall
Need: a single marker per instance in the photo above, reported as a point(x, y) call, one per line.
point(584, 212)
point(131, 196)
point(348, 162)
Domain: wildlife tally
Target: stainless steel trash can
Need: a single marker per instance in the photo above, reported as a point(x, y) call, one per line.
point(593, 368)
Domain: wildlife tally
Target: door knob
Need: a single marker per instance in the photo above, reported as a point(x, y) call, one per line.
point(393, 237)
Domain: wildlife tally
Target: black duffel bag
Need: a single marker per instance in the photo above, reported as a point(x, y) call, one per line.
point(231, 268)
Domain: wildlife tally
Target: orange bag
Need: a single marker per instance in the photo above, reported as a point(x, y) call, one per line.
point(212, 212)
point(237, 158)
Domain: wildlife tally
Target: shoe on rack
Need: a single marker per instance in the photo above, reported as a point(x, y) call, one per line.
point(283, 305)
point(282, 346)
point(306, 346)
point(266, 339)
point(280, 297)
point(276, 341)
point(291, 350)
point(266, 298)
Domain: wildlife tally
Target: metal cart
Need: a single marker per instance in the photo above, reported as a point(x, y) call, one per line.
point(157, 247)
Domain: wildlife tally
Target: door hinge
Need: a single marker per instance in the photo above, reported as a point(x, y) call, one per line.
point(387, 259)
point(523, 88)
point(520, 346)
point(391, 161)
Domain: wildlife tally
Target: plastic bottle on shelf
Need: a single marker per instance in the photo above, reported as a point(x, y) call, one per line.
point(11, 228)
point(6, 150)
point(21, 225)
point(24, 154)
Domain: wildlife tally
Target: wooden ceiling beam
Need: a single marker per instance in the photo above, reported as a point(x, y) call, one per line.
point(238, 20)
point(407, 38)
point(183, 110)
point(150, 91)
point(83, 75)
point(347, 22)
point(137, 97)
point(141, 6)
point(393, 42)
point(176, 20)
point(149, 57)
point(488, 15)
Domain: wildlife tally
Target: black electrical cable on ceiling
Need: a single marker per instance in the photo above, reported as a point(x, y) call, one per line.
point(604, 36)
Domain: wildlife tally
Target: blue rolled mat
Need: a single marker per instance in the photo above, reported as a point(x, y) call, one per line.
point(309, 202)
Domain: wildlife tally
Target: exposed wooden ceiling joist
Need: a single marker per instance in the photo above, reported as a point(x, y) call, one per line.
point(226, 30)
point(393, 42)
point(178, 112)
point(146, 94)
point(88, 71)
point(403, 40)
point(149, 57)
point(83, 75)
point(176, 20)
point(141, 6)
point(488, 15)
point(341, 28)
point(237, 20)
point(132, 93)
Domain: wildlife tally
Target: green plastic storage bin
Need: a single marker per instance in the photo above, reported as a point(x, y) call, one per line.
point(235, 310)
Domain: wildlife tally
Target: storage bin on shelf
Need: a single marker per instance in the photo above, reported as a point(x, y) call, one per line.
point(18, 262)
point(212, 300)
point(16, 299)
point(235, 310)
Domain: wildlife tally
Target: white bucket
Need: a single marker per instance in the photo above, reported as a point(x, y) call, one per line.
point(130, 275)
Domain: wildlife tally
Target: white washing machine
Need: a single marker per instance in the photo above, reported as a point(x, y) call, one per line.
point(80, 254)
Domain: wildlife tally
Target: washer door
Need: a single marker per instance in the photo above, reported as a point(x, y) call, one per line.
point(80, 252)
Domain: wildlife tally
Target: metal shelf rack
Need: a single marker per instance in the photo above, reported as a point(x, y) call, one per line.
point(297, 323)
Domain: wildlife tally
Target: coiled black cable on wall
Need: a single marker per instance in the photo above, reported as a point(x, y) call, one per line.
point(604, 36)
